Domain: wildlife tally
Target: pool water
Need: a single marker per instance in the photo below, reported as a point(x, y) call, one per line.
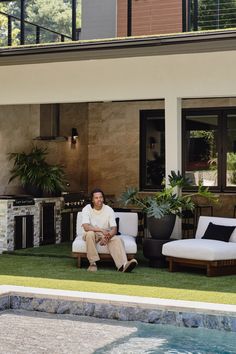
point(150, 339)
point(25, 332)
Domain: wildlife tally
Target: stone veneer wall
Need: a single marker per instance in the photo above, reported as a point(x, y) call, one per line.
point(57, 210)
point(7, 221)
point(121, 310)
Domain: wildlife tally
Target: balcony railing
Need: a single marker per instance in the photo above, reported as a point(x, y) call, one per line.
point(33, 34)
point(208, 15)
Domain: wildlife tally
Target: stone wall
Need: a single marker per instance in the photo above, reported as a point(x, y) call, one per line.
point(8, 212)
point(106, 154)
point(20, 124)
point(74, 157)
point(113, 151)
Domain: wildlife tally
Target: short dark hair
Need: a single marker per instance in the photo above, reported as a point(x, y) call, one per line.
point(96, 190)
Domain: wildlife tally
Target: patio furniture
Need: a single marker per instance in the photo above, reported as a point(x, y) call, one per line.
point(128, 228)
point(218, 257)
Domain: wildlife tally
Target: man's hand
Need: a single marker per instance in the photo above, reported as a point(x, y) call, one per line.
point(105, 239)
point(105, 232)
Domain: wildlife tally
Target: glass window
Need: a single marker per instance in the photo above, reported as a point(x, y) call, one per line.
point(201, 149)
point(209, 147)
point(231, 151)
point(152, 143)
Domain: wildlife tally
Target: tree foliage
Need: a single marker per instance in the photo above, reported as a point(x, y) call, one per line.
point(214, 14)
point(55, 15)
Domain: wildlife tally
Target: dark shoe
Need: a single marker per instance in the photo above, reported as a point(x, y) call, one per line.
point(129, 266)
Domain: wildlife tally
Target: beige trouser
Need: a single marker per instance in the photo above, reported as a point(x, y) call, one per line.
point(115, 246)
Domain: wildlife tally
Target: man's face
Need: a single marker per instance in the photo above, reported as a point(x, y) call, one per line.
point(97, 200)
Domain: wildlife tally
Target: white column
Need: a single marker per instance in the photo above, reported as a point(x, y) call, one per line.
point(173, 119)
point(173, 143)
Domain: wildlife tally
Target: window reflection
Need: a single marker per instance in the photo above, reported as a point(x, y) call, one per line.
point(231, 151)
point(155, 151)
point(152, 158)
point(201, 149)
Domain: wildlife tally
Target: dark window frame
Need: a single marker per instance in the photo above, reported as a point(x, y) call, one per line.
point(222, 113)
point(144, 114)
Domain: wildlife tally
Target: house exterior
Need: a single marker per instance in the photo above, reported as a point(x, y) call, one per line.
point(108, 18)
point(158, 103)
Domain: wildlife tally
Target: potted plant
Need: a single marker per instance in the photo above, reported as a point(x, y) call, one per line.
point(163, 207)
point(37, 177)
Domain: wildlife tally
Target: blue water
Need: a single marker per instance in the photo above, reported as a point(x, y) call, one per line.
point(151, 339)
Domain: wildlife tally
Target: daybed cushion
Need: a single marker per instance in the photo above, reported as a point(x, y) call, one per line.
point(128, 228)
point(204, 221)
point(200, 249)
point(79, 245)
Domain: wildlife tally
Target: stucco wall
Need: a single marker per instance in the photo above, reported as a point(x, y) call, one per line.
point(155, 77)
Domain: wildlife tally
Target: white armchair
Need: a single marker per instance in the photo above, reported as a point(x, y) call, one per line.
point(128, 228)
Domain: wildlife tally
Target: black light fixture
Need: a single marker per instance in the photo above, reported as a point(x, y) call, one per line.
point(74, 135)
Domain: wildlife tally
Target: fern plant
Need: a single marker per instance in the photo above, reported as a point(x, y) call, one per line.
point(168, 201)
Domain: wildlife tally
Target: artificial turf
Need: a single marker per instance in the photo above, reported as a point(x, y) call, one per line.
point(53, 267)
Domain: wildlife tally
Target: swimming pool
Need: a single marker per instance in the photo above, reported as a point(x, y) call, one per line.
point(40, 333)
point(51, 321)
point(158, 339)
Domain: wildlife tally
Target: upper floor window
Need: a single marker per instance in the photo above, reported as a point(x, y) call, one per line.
point(152, 149)
point(209, 147)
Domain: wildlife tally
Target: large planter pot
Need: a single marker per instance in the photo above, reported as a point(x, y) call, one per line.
point(34, 191)
point(161, 228)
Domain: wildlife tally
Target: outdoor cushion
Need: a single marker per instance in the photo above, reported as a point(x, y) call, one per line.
point(79, 245)
point(128, 224)
point(200, 249)
point(218, 232)
point(205, 220)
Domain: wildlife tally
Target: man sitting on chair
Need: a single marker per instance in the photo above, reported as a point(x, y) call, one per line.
point(99, 223)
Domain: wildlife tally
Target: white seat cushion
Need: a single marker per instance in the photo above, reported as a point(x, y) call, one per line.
point(79, 245)
point(200, 249)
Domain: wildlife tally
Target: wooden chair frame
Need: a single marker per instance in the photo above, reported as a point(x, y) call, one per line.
point(213, 268)
point(103, 256)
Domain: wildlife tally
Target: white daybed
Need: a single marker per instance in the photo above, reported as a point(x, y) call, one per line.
point(218, 257)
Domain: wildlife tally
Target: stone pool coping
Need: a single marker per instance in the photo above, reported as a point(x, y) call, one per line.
point(121, 307)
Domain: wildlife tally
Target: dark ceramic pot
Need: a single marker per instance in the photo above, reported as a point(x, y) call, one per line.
point(161, 228)
point(34, 191)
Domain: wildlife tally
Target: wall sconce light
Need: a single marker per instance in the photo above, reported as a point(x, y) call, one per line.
point(74, 135)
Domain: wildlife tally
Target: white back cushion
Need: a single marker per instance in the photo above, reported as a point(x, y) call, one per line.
point(205, 220)
point(79, 228)
point(128, 223)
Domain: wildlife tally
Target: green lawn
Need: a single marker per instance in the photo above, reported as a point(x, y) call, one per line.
point(52, 267)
